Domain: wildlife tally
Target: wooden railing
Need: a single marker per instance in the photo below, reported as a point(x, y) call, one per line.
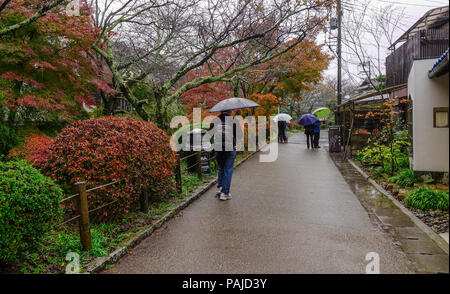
point(80, 199)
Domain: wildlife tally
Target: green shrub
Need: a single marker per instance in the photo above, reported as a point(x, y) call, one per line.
point(377, 172)
point(8, 139)
point(403, 162)
point(404, 178)
point(426, 199)
point(29, 205)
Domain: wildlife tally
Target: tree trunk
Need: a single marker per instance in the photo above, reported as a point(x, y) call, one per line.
point(108, 104)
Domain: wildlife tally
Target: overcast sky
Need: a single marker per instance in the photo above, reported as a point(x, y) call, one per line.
point(414, 9)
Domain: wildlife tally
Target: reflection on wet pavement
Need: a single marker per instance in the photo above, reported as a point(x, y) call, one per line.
point(420, 249)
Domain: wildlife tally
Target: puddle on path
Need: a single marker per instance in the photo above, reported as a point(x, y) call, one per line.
point(425, 255)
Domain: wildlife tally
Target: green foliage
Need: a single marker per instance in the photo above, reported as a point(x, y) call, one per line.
point(377, 172)
point(70, 242)
point(8, 139)
point(29, 205)
point(426, 199)
point(51, 257)
point(387, 149)
point(403, 162)
point(382, 80)
point(332, 120)
point(190, 182)
point(405, 178)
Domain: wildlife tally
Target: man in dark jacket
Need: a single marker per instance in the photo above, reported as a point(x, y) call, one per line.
point(282, 138)
point(316, 134)
point(309, 132)
point(225, 138)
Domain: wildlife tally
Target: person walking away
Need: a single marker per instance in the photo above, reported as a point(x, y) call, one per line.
point(316, 134)
point(226, 132)
point(282, 131)
point(309, 132)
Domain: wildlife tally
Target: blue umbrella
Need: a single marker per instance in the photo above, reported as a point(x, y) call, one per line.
point(307, 119)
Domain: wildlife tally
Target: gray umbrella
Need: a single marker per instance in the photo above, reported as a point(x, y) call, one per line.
point(233, 103)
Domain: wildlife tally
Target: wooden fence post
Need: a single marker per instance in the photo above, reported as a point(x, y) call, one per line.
point(199, 164)
point(178, 174)
point(83, 209)
point(144, 201)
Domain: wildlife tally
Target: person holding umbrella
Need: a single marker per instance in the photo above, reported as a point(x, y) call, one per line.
point(308, 120)
point(316, 134)
point(226, 134)
point(282, 119)
point(320, 113)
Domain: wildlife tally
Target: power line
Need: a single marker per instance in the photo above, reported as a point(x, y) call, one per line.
point(410, 4)
point(360, 7)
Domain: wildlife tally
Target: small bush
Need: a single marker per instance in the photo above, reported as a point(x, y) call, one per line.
point(403, 162)
point(377, 172)
point(404, 178)
point(8, 138)
point(34, 149)
point(29, 203)
point(108, 149)
point(426, 199)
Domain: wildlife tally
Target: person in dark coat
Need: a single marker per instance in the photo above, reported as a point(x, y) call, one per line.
point(225, 152)
point(309, 132)
point(316, 134)
point(282, 138)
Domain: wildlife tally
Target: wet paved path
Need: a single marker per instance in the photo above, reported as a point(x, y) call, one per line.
point(294, 215)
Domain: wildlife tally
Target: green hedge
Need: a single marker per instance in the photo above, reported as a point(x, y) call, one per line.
point(404, 178)
point(426, 199)
point(29, 208)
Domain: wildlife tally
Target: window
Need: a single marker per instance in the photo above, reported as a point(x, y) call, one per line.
point(440, 117)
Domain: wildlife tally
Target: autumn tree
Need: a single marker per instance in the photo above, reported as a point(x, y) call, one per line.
point(293, 73)
point(44, 66)
point(168, 39)
point(30, 17)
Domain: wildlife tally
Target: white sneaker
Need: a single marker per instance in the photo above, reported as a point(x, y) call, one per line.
point(225, 197)
point(218, 192)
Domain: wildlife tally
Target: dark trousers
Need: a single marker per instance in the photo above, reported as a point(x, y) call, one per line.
point(310, 138)
point(225, 160)
point(282, 135)
point(316, 140)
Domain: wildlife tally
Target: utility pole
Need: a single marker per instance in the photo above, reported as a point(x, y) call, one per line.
point(339, 45)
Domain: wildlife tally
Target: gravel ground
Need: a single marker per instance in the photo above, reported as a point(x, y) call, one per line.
point(437, 220)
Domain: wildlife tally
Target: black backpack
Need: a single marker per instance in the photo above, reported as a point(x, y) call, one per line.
point(225, 133)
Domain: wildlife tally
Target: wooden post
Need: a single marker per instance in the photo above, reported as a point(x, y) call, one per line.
point(144, 201)
point(199, 164)
point(83, 209)
point(178, 174)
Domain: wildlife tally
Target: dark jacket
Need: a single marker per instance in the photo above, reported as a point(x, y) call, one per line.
point(317, 127)
point(309, 130)
point(220, 120)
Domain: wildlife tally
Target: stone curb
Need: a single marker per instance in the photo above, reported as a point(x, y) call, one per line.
point(100, 263)
point(430, 233)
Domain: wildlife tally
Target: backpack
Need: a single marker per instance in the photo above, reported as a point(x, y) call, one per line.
point(224, 137)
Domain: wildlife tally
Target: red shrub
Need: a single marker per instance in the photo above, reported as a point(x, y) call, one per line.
point(100, 151)
point(34, 149)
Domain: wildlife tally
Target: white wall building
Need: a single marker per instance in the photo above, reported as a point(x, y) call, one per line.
point(428, 90)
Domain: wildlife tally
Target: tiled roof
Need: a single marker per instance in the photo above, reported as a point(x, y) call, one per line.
point(441, 61)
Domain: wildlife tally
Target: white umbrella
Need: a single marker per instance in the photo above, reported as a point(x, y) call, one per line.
point(233, 103)
point(282, 117)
